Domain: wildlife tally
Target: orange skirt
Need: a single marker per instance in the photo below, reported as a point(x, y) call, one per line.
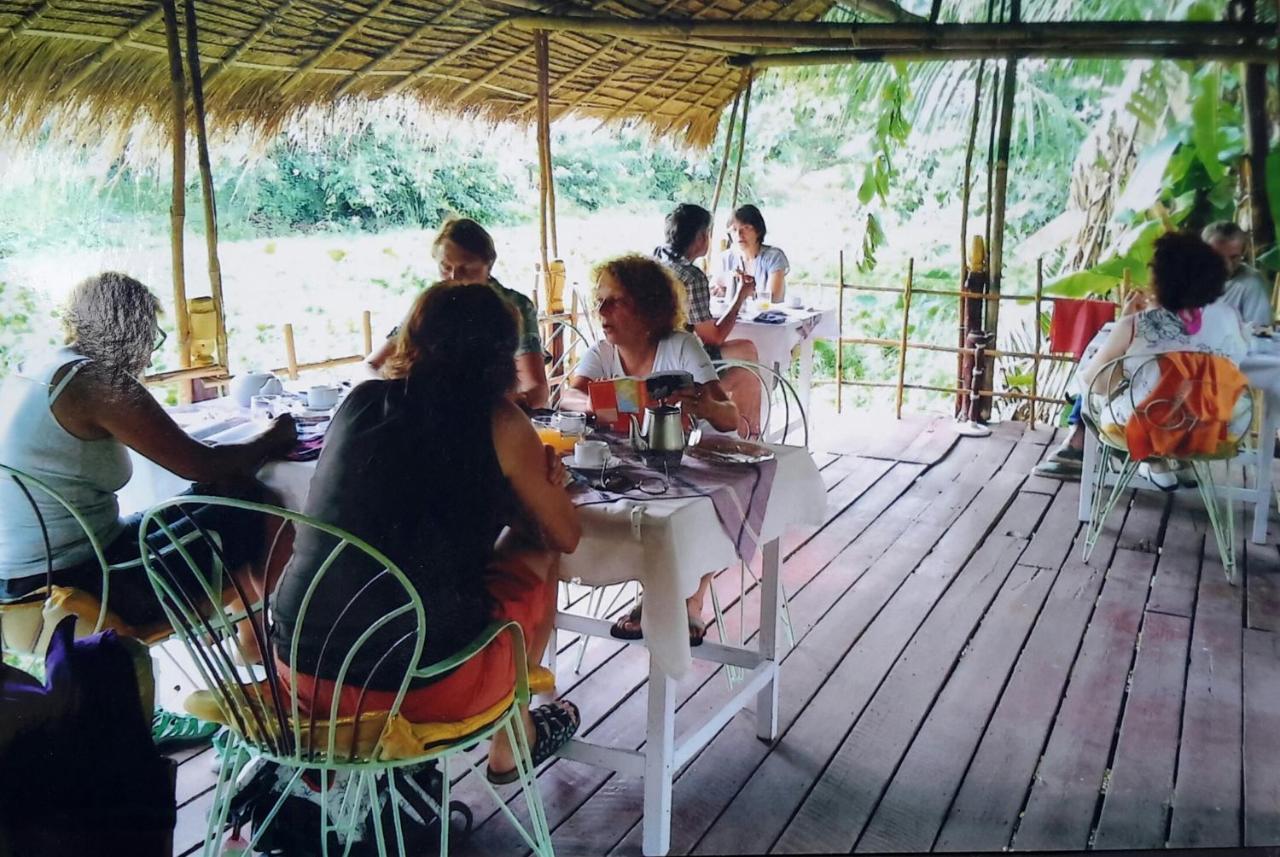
point(519, 595)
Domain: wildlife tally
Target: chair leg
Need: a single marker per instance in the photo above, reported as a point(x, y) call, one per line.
point(1101, 510)
point(538, 836)
point(223, 793)
point(1221, 518)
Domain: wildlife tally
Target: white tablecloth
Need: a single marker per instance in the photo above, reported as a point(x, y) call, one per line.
point(669, 544)
point(775, 342)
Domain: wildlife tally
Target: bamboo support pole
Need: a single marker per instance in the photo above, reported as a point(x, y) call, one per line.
point(1262, 228)
point(190, 374)
point(178, 204)
point(1134, 50)
point(544, 169)
point(290, 353)
point(724, 159)
point(999, 202)
point(1275, 295)
point(366, 331)
point(965, 194)
point(906, 324)
point(206, 181)
point(1035, 361)
point(330, 363)
point(840, 337)
point(742, 140)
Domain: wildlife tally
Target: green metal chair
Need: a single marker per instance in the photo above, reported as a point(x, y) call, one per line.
point(271, 723)
point(1120, 393)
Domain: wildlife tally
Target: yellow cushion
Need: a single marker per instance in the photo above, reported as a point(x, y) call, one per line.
point(68, 601)
point(542, 680)
point(400, 738)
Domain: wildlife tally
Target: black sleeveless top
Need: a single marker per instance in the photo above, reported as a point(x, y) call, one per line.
point(423, 486)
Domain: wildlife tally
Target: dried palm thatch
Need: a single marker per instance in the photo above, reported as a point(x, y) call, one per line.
point(103, 64)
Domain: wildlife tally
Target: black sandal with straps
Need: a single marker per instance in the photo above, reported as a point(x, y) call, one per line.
point(553, 725)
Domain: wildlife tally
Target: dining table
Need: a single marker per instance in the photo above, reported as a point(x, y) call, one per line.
point(664, 527)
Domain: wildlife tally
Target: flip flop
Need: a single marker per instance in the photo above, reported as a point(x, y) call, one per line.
point(553, 725)
point(170, 730)
point(697, 631)
point(627, 627)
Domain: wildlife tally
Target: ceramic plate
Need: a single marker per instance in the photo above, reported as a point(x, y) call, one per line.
point(718, 449)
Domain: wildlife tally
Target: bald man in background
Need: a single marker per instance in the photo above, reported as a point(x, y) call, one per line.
point(1245, 290)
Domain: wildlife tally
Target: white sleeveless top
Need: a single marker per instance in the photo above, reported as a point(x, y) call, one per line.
point(87, 473)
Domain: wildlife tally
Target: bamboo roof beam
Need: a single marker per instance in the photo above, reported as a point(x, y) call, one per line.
point(328, 50)
point(399, 47)
point(470, 44)
point(108, 51)
point(19, 28)
point(1014, 35)
point(245, 46)
point(1122, 50)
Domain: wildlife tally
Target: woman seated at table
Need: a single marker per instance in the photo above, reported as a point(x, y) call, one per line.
point(464, 253)
point(759, 268)
point(638, 302)
point(68, 417)
point(429, 466)
point(1181, 313)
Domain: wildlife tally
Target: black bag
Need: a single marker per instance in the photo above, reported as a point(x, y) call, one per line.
point(295, 829)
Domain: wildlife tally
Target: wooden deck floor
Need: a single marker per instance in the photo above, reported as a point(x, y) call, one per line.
point(961, 680)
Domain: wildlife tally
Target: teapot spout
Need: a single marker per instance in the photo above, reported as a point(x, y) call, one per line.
point(638, 443)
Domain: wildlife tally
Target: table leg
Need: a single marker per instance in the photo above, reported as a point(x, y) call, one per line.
point(1262, 470)
point(806, 374)
point(770, 593)
point(658, 763)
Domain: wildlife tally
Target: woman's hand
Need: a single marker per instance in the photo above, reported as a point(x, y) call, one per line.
point(692, 400)
point(1137, 302)
point(280, 439)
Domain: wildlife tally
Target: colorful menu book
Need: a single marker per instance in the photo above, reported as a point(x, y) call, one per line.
point(617, 399)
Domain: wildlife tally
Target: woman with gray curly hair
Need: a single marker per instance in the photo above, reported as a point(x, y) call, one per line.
point(69, 416)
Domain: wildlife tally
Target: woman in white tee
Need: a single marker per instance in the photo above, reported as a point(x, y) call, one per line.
point(640, 313)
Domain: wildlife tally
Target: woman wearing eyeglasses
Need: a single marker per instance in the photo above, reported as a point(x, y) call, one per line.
point(69, 418)
point(640, 311)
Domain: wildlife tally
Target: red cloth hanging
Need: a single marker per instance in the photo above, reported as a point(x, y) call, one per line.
point(1075, 323)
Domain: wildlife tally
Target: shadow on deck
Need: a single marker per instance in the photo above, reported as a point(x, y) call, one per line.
point(961, 680)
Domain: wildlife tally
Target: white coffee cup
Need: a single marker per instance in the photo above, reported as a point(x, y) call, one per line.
point(247, 385)
point(322, 397)
point(795, 302)
point(591, 453)
point(571, 422)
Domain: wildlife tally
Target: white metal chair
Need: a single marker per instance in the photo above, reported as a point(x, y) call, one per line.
point(1124, 393)
point(366, 755)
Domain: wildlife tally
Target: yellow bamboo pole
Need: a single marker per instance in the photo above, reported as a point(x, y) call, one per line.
point(331, 363)
point(742, 139)
point(206, 181)
point(1035, 361)
point(902, 348)
point(728, 153)
point(366, 328)
point(1275, 295)
point(210, 372)
point(290, 352)
point(840, 338)
point(178, 205)
point(540, 43)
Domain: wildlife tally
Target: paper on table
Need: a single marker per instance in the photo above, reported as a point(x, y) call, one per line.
point(236, 434)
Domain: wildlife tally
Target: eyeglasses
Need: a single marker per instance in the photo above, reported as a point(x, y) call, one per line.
point(161, 336)
point(607, 304)
point(620, 483)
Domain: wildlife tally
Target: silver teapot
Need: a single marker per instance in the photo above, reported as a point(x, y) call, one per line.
point(660, 439)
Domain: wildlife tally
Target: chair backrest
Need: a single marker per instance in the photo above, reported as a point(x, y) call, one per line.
point(286, 722)
point(1131, 388)
point(773, 386)
point(571, 351)
point(32, 487)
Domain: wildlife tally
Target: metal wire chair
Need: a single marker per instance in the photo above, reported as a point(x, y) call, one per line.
point(1121, 394)
point(273, 722)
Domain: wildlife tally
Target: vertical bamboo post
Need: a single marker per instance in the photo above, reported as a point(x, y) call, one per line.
point(1035, 361)
point(206, 179)
point(742, 138)
point(840, 336)
point(540, 46)
point(902, 342)
point(1275, 295)
point(1262, 228)
point(1000, 191)
point(366, 328)
point(290, 352)
point(1126, 286)
point(178, 204)
point(966, 191)
point(728, 153)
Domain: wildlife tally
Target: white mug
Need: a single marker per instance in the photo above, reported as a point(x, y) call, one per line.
point(591, 453)
point(571, 422)
point(322, 397)
point(795, 302)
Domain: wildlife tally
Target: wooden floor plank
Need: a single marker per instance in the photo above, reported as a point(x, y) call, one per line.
point(1261, 738)
point(913, 808)
point(1173, 590)
point(1207, 797)
point(1136, 807)
point(985, 810)
point(763, 808)
point(1263, 593)
point(930, 445)
point(838, 806)
point(1068, 782)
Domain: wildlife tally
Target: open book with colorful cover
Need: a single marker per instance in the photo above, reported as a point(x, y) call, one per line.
point(617, 399)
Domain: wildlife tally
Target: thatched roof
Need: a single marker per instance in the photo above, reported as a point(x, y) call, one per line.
point(265, 60)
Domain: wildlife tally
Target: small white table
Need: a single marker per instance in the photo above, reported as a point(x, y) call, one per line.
point(776, 342)
point(668, 545)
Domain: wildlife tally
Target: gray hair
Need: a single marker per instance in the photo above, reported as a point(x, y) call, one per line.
point(111, 319)
point(1222, 230)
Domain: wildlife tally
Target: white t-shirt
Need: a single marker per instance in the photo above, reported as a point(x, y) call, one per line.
point(679, 352)
point(768, 260)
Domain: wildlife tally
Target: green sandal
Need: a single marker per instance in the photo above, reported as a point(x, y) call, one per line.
point(171, 730)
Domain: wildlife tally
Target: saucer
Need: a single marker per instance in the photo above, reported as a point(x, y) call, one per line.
point(611, 464)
